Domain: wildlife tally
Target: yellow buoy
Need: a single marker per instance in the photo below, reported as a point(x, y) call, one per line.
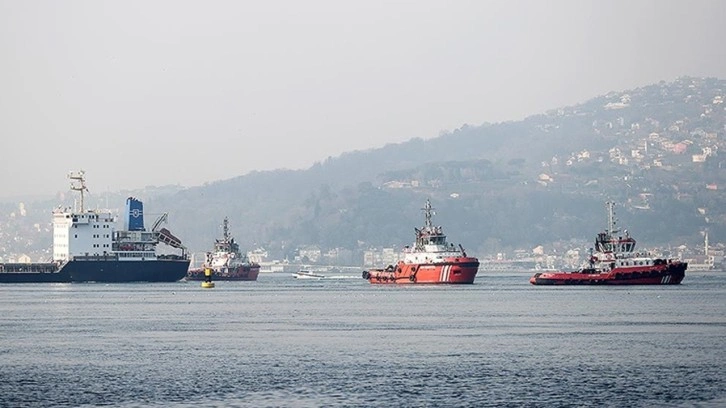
point(208, 282)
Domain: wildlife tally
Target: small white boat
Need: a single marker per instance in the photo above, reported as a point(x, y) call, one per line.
point(307, 275)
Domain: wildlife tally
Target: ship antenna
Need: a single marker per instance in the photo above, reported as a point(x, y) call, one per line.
point(705, 242)
point(611, 218)
point(428, 212)
point(78, 183)
point(226, 229)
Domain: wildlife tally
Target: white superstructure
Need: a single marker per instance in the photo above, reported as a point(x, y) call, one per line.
point(92, 233)
point(431, 245)
point(85, 233)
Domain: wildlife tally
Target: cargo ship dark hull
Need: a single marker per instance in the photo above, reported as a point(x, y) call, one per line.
point(33, 272)
point(100, 269)
point(665, 274)
point(96, 269)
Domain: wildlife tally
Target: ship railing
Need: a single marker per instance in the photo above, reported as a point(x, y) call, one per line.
point(173, 257)
point(44, 267)
point(96, 257)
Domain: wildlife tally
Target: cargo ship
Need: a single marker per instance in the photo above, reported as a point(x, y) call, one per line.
point(226, 261)
point(88, 248)
point(431, 259)
point(614, 261)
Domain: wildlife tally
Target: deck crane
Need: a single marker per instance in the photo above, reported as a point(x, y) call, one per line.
point(164, 235)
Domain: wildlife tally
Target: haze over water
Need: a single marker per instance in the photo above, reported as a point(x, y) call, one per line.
point(344, 342)
point(104, 86)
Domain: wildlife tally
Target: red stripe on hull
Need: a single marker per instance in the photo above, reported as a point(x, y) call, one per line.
point(453, 271)
point(670, 274)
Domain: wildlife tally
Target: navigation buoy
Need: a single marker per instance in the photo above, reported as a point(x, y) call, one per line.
point(208, 284)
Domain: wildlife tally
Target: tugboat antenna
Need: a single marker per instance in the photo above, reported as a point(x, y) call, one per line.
point(611, 218)
point(428, 212)
point(225, 228)
point(78, 183)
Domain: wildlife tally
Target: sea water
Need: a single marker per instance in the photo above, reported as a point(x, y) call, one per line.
point(343, 342)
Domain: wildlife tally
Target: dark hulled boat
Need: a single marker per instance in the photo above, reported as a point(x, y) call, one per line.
point(88, 248)
point(226, 261)
point(49, 272)
point(615, 262)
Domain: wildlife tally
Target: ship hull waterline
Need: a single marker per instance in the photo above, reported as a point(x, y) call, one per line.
point(672, 274)
point(166, 270)
point(110, 271)
point(243, 273)
point(33, 273)
point(459, 271)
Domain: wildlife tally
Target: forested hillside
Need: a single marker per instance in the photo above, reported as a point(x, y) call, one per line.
point(655, 151)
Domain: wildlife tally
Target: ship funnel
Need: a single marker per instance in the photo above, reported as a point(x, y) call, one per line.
point(134, 217)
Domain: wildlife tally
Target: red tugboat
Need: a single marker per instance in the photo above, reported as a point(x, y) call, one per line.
point(226, 262)
point(615, 263)
point(431, 260)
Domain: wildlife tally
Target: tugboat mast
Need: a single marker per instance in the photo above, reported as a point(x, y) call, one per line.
point(78, 183)
point(225, 229)
point(428, 213)
point(611, 219)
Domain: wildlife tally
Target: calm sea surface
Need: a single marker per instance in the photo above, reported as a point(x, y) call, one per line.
point(343, 342)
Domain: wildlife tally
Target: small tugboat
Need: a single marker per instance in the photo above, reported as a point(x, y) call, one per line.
point(431, 260)
point(226, 261)
point(614, 262)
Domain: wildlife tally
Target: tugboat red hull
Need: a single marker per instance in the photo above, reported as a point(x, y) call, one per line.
point(451, 271)
point(667, 273)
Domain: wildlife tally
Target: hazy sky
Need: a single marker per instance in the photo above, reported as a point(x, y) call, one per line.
point(176, 92)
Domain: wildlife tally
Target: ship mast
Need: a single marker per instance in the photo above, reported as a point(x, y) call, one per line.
point(611, 219)
point(78, 183)
point(705, 242)
point(225, 228)
point(428, 212)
